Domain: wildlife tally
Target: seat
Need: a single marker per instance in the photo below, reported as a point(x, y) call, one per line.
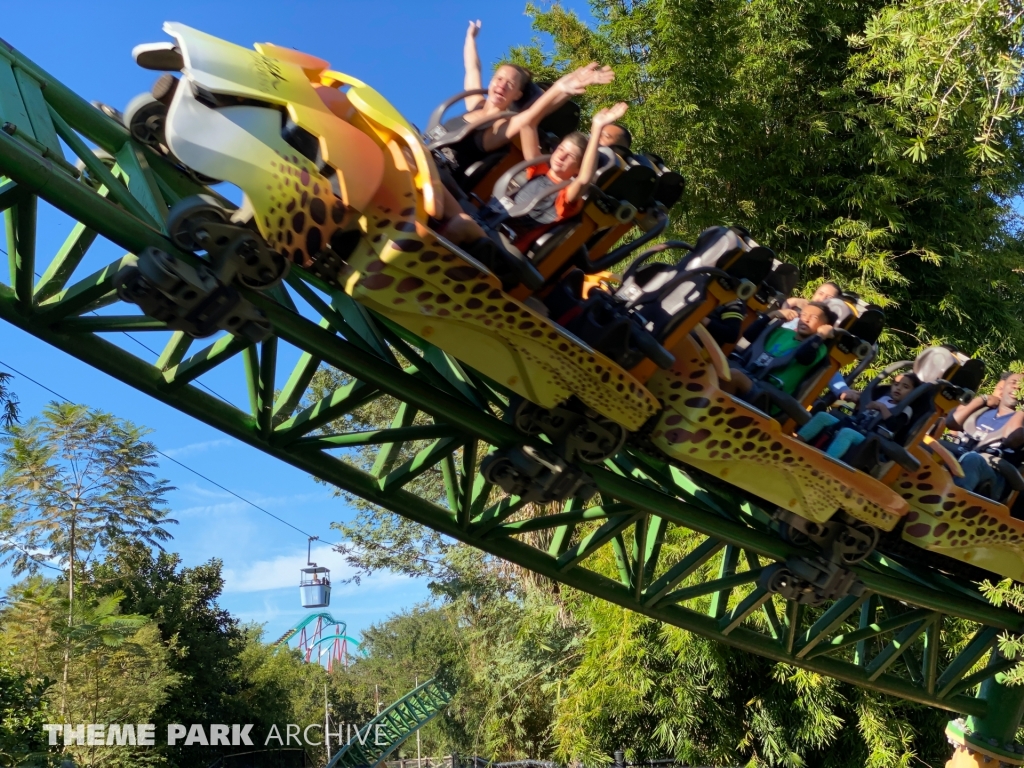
point(564, 242)
point(771, 292)
point(474, 171)
point(947, 377)
point(856, 342)
point(847, 343)
point(660, 303)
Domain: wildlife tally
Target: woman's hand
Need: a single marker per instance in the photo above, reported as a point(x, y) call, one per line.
point(474, 30)
point(608, 116)
point(577, 81)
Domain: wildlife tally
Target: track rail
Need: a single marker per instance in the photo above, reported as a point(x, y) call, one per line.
point(658, 541)
point(386, 732)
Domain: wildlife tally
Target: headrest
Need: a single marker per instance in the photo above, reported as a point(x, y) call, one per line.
point(784, 277)
point(970, 375)
point(713, 245)
point(562, 121)
point(638, 161)
point(842, 311)
point(935, 363)
point(533, 92)
point(868, 324)
point(607, 158)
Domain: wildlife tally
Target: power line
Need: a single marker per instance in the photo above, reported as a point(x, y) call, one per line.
point(252, 504)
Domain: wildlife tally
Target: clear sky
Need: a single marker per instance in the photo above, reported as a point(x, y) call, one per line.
point(412, 53)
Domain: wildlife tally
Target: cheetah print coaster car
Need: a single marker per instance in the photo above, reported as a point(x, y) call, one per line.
point(403, 271)
point(946, 519)
point(227, 123)
point(710, 430)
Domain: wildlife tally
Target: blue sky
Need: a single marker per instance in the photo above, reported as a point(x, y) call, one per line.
point(412, 53)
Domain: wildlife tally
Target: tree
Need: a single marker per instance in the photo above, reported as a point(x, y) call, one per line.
point(75, 482)
point(8, 402)
point(875, 143)
point(657, 690)
point(208, 642)
point(114, 665)
point(23, 711)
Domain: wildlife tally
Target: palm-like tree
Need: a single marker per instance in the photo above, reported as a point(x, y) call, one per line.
point(8, 402)
point(76, 482)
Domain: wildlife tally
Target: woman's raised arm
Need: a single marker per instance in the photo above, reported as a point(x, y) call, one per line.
point(567, 86)
point(473, 80)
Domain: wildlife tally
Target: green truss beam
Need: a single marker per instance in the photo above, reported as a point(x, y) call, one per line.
point(894, 639)
point(386, 732)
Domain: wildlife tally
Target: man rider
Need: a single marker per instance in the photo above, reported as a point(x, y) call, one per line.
point(983, 418)
point(617, 137)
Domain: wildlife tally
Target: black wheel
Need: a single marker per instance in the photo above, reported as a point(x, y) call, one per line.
point(131, 287)
point(602, 439)
point(527, 418)
point(144, 118)
point(855, 542)
point(186, 218)
point(262, 268)
point(794, 536)
point(498, 469)
point(778, 579)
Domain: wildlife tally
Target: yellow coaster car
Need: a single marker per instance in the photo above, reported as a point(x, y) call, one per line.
point(336, 181)
point(944, 518)
point(707, 428)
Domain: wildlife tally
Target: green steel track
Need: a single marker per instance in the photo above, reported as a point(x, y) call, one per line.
point(891, 640)
point(393, 726)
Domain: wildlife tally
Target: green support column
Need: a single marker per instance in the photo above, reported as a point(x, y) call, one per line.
point(991, 739)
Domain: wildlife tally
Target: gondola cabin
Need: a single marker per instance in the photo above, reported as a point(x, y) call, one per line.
point(315, 587)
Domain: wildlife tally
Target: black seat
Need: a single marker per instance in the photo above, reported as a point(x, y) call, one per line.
point(656, 298)
point(942, 372)
point(542, 252)
point(758, 365)
point(671, 184)
point(455, 146)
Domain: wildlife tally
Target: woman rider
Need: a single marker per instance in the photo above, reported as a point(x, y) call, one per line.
point(505, 88)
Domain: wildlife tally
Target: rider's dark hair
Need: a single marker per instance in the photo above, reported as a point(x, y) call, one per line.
point(912, 378)
point(826, 310)
point(627, 137)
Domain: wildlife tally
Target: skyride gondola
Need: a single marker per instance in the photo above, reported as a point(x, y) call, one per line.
point(337, 183)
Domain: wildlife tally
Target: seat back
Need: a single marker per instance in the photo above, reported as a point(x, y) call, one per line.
point(604, 220)
point(672, 299)
point(947, 377)
point(476, 178)
point(772, 291)
point(671, 185)
point(857, 331)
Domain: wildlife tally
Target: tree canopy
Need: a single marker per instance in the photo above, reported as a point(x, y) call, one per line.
point(873, 143)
